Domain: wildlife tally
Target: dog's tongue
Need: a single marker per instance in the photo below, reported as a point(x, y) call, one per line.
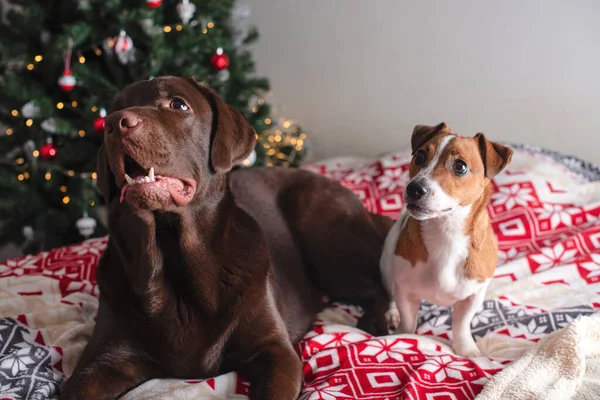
point(123, 191)
point(163, 191)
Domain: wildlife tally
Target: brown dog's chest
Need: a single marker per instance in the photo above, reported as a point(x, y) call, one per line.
point(194, 347)
point(185, 339)
point(184, 316)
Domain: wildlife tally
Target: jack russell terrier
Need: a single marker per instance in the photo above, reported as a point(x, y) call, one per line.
point(442, 247)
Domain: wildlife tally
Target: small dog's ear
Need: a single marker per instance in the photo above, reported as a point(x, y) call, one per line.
point(233, 139)
point(105, 178)
point(495, 156)
point(423, 133)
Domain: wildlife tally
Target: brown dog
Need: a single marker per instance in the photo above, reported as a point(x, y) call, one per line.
point(191, 286)
point(337, 239)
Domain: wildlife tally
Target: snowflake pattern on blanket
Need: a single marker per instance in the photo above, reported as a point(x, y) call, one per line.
point(501, 316)
point(545, 212)
point(26, 370)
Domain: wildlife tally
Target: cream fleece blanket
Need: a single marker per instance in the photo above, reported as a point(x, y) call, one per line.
point(563, 365)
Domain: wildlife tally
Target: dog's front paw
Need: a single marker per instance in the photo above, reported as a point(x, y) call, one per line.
point(392, 316)
point(467, 349)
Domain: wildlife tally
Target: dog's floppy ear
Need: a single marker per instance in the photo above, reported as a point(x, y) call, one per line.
point(105, 178)
point(495, 156)
point(233, 138)
point(423, 133)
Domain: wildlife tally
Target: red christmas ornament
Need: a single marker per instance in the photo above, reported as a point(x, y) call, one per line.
point(48, 151)
point(153, 3)
point(67, 81)
point(99, 122)
point(219, 60)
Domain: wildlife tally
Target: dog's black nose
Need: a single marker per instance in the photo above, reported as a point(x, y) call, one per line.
point(416, 190)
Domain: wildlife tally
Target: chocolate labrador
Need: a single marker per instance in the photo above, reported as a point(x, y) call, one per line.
point(193, 284)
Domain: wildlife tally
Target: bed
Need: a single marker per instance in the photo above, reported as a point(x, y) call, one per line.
point(546, 214)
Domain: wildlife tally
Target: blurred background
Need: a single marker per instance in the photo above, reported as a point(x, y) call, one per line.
point(361, 74)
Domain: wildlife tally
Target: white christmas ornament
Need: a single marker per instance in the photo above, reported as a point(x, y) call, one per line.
point(45, 37)
point(186, 10)
point(84, 5)
point(28, 233)
point(223, 75)
point(238, 19)
point(123, 47)
point(30, 110)
point(248, 162)
point(239, 13)
point(150, 27)
point(49, 125)
point(29, 146)
point(86, 225)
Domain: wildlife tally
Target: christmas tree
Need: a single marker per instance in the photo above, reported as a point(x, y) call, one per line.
point(61, 63)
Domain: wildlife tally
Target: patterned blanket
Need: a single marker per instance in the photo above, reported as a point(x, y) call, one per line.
point(545, 212)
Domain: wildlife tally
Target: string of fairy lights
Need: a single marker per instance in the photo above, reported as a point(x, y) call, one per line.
point(285, 135)
point(280, 135)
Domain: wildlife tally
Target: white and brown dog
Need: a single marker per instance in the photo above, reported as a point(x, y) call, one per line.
point(442, 247)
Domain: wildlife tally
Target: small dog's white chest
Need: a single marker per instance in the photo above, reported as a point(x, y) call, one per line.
point(440, 282)
point(441, 279)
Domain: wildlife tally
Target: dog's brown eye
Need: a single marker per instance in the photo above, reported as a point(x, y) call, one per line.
point(179, 105)
point(420, 157)
point(460, 167)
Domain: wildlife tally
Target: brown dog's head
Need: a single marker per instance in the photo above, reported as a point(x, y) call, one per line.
point(449, 171)
point(165, 140)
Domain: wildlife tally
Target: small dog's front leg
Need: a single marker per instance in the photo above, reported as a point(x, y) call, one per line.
point(408, 307)
point(462, 315)
point(392, 316)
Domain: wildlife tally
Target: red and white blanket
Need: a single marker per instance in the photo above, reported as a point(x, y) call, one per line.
point(546, 214)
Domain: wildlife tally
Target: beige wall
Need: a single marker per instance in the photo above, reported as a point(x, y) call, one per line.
point(360, 74)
